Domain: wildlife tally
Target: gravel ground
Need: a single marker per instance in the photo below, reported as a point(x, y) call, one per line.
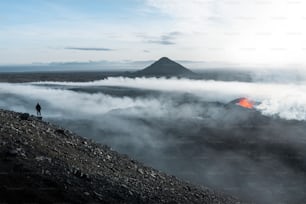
point(42, 163)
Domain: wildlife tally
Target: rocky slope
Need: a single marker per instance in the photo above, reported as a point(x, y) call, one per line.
point(42, 163)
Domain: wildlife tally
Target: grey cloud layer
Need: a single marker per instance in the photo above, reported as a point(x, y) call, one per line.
point(164, 39)
point(89, 48)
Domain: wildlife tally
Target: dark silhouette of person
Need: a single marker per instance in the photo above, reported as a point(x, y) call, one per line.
point(38, 109)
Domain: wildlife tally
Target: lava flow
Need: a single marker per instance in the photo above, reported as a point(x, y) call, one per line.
point(245, 103)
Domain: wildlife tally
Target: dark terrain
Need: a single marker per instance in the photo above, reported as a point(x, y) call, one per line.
point(42, 163)
point(56, 76)
point(164, 67)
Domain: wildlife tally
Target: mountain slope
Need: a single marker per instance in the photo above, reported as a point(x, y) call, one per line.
point(165, 67)
point(43, 163)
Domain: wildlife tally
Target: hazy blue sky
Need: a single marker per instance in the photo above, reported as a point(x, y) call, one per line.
point(245, 32)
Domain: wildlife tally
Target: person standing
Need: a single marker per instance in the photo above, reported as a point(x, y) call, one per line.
point(38, 109)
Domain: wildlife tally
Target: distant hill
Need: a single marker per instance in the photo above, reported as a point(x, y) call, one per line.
point(165, 67)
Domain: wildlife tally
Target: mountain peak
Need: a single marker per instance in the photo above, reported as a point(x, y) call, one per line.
point(164, 59)
point(165, 67)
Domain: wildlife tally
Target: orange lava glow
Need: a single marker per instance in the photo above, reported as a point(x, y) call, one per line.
point(246, 103)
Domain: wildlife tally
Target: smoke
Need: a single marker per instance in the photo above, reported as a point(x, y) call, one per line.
point(70, 102)
point(287, 101)
point(185, 127)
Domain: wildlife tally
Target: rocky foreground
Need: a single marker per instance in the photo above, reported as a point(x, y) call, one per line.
point(42, 163)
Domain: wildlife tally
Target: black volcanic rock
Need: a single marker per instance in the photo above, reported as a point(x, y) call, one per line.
point(42, 163)
point(165, 67)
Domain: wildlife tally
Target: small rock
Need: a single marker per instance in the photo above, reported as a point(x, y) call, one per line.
point(3, 143)
point(19, 149)
point(140, 171)
point(86, 193)
point(15, 152)
point(124, 186)
point(24, 116)
point(42, 158)
point(12, 153)
point(68, 182)
point(60, 131)
point(97, 194)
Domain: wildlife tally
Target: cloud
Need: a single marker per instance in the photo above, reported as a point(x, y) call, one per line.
point(89, 48)
point(161, 42)
point(164, 39)
point(240, 31)
point(286, 101)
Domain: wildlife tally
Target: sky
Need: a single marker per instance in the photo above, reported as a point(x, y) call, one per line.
point(250, 33)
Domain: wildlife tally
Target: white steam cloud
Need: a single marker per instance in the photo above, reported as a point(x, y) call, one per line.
point(287, 101)
point(72, 102)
